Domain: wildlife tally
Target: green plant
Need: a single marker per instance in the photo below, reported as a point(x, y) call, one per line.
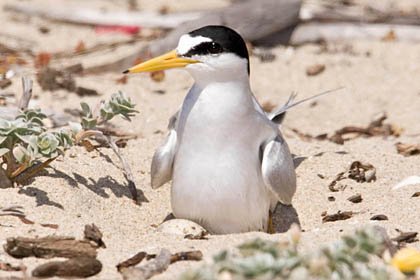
point(354, 256)
point(25, 141)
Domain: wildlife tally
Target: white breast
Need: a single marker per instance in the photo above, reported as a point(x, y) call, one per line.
point(217, 179)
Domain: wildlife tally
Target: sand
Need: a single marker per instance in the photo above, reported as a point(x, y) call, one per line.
point(90, 187)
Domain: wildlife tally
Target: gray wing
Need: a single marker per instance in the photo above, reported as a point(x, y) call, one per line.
point(163, 159)
point(278, 169)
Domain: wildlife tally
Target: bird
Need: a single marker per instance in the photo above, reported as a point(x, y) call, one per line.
point(227, 159)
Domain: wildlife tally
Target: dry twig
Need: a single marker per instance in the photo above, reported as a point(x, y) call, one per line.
point(97, 17)
point(408, 149)
point(148, 270)
point(159, 263)
point(131, 185)
point(263, 18)
point(27, 93)
point(405, 237)
point(339, 216)
point(358, 171)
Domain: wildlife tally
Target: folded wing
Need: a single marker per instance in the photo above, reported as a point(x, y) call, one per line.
point(163, 159)
point(278, 169)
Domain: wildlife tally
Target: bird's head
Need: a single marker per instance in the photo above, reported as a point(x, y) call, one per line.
point(211, 53)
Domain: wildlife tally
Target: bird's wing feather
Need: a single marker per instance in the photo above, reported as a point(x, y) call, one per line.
point(278, 170)
point(162, 162)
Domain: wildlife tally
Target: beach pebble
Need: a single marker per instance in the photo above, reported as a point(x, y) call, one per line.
point(181, 227)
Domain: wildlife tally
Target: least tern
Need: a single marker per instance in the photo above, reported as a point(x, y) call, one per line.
point(227, 159)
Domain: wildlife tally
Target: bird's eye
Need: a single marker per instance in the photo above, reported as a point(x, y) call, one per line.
point(215, 48)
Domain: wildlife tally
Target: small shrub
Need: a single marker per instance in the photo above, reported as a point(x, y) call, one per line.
point(25, 141)
point(354, 256)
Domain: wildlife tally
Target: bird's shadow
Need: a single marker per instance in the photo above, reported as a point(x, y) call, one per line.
point(99, 186)
point(284, 217)
point(41, 197)
point(76, 180)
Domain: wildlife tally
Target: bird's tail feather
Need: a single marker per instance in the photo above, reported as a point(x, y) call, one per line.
point(278, 115)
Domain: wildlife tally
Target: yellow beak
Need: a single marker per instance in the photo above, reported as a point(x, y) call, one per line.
point(167, 61)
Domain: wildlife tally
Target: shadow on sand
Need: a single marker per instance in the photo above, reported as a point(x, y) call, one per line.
point(284, 217)
point(76, 180)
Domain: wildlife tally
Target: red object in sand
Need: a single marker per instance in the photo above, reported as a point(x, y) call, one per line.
point(129, 30)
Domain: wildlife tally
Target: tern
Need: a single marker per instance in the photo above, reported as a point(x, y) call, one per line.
point(227, 159)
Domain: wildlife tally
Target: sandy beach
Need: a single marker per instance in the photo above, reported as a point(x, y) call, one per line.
point(89, 187)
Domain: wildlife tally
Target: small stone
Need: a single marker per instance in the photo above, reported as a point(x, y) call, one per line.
point(182, 227)
point(331, 198)
point(157, 76)
point(4, 83)
point(43, 29)
point(370, 175)
point(416, 194)
point(379, 217)
point(314, 70)
point(355, 198)
point(406, 237)
point(339, 216)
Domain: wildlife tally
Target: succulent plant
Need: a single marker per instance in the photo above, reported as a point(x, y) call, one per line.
point(118, 105)
point(25, 140)
point(354, 256)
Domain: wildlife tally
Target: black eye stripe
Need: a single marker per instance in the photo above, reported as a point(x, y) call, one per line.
point(204, 48)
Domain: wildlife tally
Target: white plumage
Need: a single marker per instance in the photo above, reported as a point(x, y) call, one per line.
point(228, 161)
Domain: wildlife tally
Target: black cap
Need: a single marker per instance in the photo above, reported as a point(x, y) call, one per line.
point(224, 39)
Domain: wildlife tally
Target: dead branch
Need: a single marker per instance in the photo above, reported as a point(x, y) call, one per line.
point(12, 211)
point(126, 166)
point(96, 17)
point(254, 20)
point(100, 47)
point(375, 128)
point(148, 270)
point(27, 93)
point(139, 257)
point(10, 43)
point(357, 13)
point(32, 171)
point(316, 32)
point(49, 247)
point(408, 149)
point(187, 256)
point(9, 113)
point(134, 260)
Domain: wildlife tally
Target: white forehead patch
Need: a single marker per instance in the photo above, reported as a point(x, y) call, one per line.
point(186, 42)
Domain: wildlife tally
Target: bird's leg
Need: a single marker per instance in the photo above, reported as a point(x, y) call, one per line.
point(270, 223)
